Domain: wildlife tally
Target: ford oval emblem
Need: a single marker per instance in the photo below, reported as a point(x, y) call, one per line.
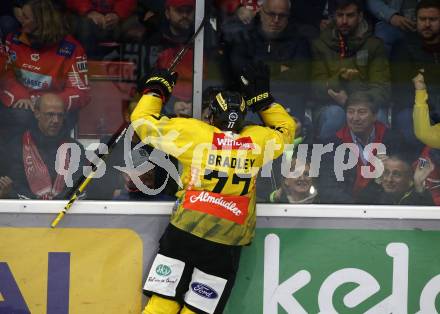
point(204, 290)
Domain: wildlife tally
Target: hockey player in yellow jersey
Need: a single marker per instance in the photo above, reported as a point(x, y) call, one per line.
point(427, 133)
point(195, 268)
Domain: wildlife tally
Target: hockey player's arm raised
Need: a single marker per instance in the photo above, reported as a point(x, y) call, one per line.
point(156, 91)
point(152, 127)
point(255, 84)
point(425, 132)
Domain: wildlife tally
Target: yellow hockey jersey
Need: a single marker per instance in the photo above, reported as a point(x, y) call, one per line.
point(428, 134)
point(217, 196)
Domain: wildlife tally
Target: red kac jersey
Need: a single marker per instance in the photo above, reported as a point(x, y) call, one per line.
point(60, 69)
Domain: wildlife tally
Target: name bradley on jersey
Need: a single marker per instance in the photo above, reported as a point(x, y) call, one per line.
point(230, 162)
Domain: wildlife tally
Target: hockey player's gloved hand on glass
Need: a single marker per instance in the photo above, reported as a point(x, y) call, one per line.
point(255, 86)
point(160, 81)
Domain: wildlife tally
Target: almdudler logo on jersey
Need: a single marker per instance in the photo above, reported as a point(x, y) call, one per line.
point(223, 141)
point(233, 208)
point(203, 290)
point(163, 270)
point(205, 197)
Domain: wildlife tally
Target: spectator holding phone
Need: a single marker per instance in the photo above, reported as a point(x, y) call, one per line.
point(399, 183)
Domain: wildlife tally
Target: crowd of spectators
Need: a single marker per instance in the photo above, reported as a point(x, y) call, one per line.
point(344, 69)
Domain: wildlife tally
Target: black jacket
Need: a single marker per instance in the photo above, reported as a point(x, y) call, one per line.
point(407, 58)
point(374, 194)
point(288, 57)
point(47, 148)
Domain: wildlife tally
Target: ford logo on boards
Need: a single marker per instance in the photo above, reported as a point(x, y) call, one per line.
point(204, 290)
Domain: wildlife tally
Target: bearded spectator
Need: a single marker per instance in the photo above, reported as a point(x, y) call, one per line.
point(416, 52)
point(347, 58)
point(176, 29)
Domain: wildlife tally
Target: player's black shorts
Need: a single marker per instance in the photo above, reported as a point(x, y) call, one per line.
point(193, 271)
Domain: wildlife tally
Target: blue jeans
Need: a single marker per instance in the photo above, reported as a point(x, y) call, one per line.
point(403, 123)
point(330, 119)
point(389, 35)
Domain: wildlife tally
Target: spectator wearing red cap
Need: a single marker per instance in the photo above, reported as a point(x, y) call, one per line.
point(179, 3)
point(180, 16)
point(102, 21)
point(176, 29)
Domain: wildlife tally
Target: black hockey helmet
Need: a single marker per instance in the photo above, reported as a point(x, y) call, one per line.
point(227, 110)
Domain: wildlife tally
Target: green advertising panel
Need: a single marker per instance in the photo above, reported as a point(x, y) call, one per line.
point(339, 271)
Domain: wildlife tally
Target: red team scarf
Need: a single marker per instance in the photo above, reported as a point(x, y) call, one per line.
point(345, 136)
point(343, 49)
point(37, 173)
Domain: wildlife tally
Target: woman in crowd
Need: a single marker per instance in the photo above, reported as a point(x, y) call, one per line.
point(42, 58)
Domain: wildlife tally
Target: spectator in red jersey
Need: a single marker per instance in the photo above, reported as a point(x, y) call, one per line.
point(100, 21)
point(42, 58)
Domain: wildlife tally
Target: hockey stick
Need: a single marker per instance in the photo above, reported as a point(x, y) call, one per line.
point(82, 183)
